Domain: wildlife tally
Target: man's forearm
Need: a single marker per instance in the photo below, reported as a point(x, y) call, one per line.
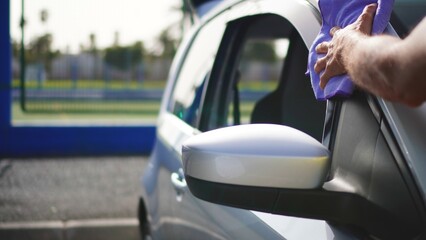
point(386, 66)
point(370, 63)
point(389, 67)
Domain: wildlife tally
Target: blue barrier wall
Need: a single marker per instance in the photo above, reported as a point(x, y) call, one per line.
point(58, 141)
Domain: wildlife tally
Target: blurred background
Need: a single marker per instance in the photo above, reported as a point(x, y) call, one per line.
point(92, 62)
point(79, 96)
point(101, 63)
point(87, 77)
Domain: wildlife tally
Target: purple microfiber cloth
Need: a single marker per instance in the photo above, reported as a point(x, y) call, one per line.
point(342, 13)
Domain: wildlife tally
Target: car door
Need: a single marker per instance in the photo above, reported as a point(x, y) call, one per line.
point(214, 86)
point(277, 92)
point(179, 109)
point(192, 218)
point(365, 157)
point(232, 96)
point(259, 77)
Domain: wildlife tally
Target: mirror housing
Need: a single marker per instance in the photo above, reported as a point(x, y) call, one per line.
point(261, 155)
point(280, 170)
point(246, 166)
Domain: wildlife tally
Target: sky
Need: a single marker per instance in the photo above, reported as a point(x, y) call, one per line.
point(72, 21)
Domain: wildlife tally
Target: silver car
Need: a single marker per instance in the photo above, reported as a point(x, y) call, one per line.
point(244, 151)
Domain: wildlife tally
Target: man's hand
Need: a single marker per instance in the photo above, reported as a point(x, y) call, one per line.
point(338, 49)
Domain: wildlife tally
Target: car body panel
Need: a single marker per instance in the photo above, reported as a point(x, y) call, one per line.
point(173, 212)
point(189, 213)
point(408, 127)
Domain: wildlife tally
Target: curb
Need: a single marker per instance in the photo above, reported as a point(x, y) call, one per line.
point(105, 229)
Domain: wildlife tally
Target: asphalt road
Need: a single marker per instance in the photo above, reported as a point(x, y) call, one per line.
point(64, 189)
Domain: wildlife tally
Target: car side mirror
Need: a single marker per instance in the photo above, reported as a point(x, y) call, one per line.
point(280, 170)
point(247, 166)
point(260, 155)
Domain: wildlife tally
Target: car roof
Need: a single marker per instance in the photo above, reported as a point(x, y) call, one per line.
point(226, 4)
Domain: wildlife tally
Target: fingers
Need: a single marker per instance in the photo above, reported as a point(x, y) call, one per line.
point(334, 30)
point(322, 48)
point(330, 68)
point(320, 64)
point(368, 13)
point(332, 65)
point(325, 78)
point(370, 9)
point(365, 20)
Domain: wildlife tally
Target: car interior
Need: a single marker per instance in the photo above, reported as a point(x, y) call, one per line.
point(293, 88)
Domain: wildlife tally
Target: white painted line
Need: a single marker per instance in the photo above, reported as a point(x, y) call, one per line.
point(102, 223)
point(32, 225)
point(119, 222)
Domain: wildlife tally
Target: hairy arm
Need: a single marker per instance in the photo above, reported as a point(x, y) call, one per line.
point(386, 66)
point(389, 67)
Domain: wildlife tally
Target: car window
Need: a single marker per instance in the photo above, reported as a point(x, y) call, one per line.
point(259, 77)
point(257, 74)
point(188, 89)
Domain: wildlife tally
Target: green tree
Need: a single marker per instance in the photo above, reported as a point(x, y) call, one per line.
point(40, 50)
point(93, 47)
point(116, 39)
point(15, 48)
point(260, 51)
point(125, 57)
point(168, 44)
point(44, 15)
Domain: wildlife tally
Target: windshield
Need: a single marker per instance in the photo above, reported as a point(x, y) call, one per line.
point(409, 13)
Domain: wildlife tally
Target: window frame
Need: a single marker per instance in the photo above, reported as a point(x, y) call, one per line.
point(216, 102)
point(226, 54)
point(181, 59)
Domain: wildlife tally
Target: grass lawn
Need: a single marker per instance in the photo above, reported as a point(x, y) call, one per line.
point(91, 84)
point(123, 84)
point(95, 113)
point(101, 113)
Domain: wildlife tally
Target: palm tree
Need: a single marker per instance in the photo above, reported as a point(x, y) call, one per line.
point(44, 14)
point(94, 52)
point(45, 42)
point(188, 17)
